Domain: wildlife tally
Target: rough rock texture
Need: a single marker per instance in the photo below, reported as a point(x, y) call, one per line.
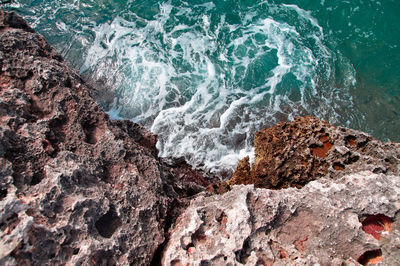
point(291, 154)
point(347, 221)
point(79, 189)
point(75, 187)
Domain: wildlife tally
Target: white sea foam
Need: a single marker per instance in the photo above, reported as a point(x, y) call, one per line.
point(206, 86)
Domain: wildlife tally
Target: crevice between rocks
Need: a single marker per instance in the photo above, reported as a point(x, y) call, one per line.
point(172, 215)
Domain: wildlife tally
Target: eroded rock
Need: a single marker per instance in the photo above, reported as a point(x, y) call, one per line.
point(338, 203)
point(328, 222)
point(78, 188)
point(291, 154)
point(75, 187)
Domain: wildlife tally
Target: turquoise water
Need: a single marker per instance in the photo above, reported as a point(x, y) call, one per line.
point(206, 75)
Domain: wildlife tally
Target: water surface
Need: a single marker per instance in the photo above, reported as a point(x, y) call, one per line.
point(206, 75)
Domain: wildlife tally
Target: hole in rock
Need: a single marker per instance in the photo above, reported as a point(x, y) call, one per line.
point(37, 177)
point(222, 219)
point(370, 257)
point(108, 223)
point(175, 262)
point(243, 254)
point(68, 83)
point(91, 131)
point(199, 236)
point(45, 144)
point(205, 263)
point(9, 223)
point(338, 166)
point(351, 141)
point(57, 122)
point(352, 159)
point(378, 170)
point(3, 193)
point(375, 224)
point(35, 109)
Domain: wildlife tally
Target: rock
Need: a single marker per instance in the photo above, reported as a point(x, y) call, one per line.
point(75, 187)
point(291, 154)
point(338, 203)
point(351, 220)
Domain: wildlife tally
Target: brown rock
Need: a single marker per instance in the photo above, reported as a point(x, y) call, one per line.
point(291, 154)
point(75, 187)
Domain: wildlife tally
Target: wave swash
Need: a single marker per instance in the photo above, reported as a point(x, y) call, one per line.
point(206, 76)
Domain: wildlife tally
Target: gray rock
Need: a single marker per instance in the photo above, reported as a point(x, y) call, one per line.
point(79, 189)
point(347, 221)
point(75, 187)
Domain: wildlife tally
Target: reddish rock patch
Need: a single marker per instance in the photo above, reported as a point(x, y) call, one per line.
point(376, 224)
point(322, 150)
point(351, 141)
point(300, 244)
point(291, 154)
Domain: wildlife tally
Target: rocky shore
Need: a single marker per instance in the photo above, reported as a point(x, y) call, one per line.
point(77, 188)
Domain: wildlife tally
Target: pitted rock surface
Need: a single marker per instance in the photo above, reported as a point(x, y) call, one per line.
point(291, 154)
point(75, 187)
point(352, 220)
point(79, 189)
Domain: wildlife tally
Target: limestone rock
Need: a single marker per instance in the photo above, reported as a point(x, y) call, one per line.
point(291, 154)
point(75, 187)
point(348, 221)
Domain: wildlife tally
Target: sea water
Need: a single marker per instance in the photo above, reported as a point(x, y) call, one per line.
point(206, 75)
